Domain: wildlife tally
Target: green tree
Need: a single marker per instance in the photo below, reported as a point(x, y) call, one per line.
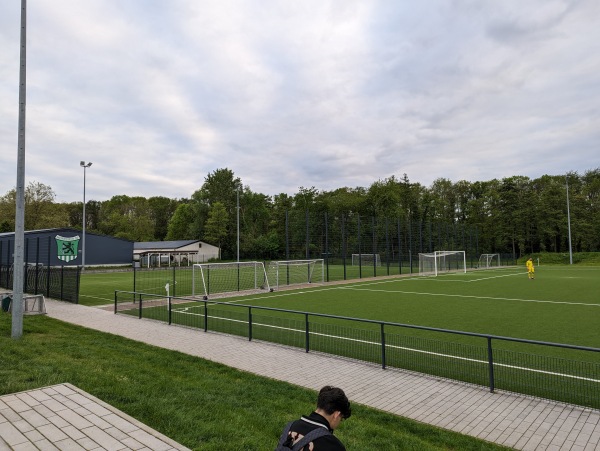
point(181, 224)
point(216, 229)
point(126, 217)
point(41, 212)
point(161, 210)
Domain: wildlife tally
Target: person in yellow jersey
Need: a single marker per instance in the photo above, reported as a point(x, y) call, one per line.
point(530, 269)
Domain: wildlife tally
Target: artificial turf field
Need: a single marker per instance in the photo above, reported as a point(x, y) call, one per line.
point(561, 305)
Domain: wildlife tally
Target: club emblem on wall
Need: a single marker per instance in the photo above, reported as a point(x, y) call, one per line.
point(67, 248)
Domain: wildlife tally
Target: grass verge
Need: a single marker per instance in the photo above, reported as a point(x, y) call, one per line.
point(200, 404)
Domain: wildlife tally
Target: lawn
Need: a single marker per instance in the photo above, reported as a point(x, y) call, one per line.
point(200, 404)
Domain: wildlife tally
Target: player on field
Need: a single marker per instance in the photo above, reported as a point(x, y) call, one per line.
point(530, 269)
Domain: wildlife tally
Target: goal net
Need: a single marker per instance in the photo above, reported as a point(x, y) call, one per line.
point(366, 259)
point(434, 263)
point(487, 261)
point(296, 272)
point(221, 278)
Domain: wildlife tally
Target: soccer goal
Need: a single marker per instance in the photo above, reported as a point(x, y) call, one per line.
point(220, 278)
point(366, 259)
point(434, 263)
point(296, 272)
point(487, 261)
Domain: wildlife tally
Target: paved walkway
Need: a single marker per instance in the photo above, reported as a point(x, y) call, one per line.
point(63, 417)
point(504, 418)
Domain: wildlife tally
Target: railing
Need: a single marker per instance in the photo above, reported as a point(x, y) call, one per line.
point(555, 371)
point(57, 282)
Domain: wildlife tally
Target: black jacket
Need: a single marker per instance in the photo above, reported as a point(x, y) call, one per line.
point(308, 423)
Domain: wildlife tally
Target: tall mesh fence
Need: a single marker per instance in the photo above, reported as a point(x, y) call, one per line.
point(57, 282)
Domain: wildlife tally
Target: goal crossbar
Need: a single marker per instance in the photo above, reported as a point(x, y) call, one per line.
point(487, 261)
point(434, 263)
point(294, 272)
point(235, 277)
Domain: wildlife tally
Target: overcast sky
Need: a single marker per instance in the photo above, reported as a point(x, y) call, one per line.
point(291, 93)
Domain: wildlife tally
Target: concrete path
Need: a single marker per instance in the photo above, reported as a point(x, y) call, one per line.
point(505, 418)
point(63, 417)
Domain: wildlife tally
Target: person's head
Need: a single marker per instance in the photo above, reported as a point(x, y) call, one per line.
point(333, 404)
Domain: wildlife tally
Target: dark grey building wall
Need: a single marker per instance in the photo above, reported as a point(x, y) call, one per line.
point(41, 246)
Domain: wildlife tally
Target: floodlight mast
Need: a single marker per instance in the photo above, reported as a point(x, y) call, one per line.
point(569, 221)
point(19, 258)
point(84, 166)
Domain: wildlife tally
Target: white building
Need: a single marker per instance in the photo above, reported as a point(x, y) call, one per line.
point(168, 253)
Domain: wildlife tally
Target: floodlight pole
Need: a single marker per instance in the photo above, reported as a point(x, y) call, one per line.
point(569, 221)
point(238, 223)
point(84, 166)
point(19, 258)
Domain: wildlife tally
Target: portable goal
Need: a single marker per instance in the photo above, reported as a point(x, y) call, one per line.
point(228, 278)
point(366, 259)
point(296, 272)
point(487, 261)
point(434, 263)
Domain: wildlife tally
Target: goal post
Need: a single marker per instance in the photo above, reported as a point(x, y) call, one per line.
point(487, 261)
point(434, 263)
point(236, 277)
point(296, 272)
point(366, 259)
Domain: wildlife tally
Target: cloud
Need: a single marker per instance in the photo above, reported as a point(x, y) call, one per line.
point(325, 94)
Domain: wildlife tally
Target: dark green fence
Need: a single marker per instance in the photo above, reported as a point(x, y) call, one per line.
point(56, 282)
point(500, 363)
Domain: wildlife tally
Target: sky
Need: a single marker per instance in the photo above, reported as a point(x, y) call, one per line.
point(303, 93)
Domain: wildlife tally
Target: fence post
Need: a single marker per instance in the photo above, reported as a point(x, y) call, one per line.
point(37, 266)
point(205, 316)
point(169, 304)
point(382, 346)
point(249, 323)
point(490, 363)
point(62, 282)
point(78, 284)
point(306, 333)
point(134, 278)
point(140, 308)
point(174, 281)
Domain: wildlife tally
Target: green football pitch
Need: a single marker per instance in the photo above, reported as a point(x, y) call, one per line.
point(561, 305)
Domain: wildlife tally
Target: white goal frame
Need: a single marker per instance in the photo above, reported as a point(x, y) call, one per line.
point(489, 261)
point(366, 259)
point(231, 278)
point(434, 263)
point(297, 272)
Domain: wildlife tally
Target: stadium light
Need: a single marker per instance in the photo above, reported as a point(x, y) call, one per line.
point(569, 221)
point(84, 166)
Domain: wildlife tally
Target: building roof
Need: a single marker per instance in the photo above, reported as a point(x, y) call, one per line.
point(59, 230)
point(162, 245)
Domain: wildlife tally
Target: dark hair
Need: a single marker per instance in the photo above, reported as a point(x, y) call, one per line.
point(332, 399)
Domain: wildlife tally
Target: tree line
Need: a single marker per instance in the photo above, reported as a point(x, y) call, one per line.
point(515, 215)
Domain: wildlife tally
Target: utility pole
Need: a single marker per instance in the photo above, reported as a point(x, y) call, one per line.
point(569, 221)
point(19, 258)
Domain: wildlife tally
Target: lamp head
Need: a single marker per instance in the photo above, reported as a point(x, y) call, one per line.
point(82, 163)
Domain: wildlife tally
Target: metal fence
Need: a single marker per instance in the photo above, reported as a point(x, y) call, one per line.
point(57, 282)
point(524, 366)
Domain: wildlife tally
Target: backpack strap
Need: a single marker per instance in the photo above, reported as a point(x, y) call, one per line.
point(284, 434)
point(312, 435)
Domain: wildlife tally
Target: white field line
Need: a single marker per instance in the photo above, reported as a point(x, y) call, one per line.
point(485, 362)
point(469, 296)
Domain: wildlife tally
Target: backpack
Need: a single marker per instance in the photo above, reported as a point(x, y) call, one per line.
point(312, 435)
